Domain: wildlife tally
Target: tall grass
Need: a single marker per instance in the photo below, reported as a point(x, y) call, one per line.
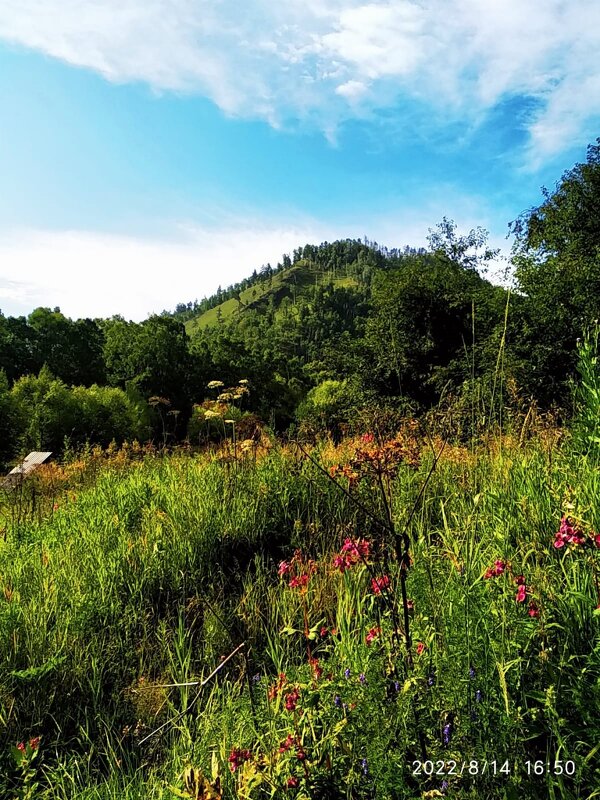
point(157, 569)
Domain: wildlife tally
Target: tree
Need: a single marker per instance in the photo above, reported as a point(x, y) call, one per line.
point(556, 256)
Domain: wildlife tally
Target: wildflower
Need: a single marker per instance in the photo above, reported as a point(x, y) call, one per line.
point(292, 783)
point(337, 701)
point(291, 700)
point(298, 581)
point(471, 672)
point(323, 632)
point(351, 553)
point(372, 635)
point(420, 648)
point(431, 680)
point(365, 767)
point(396, 686)
point(316, 668)
point(237, 757)
point(444, 786)
point(367, 438)
point(300, 754)
point(496, 570)
point(346, 673)
point(521, 594)
point(379, 584)
point(284, 746)
point(597, 540)
point(277, 687)
point(533, 610)
point(21, 747)
point(34, 743)
point(478, 696)
point(447, 733)
point(256, 678)
point(568, 533)
point(284, 567)
point(362, 678)
point(520, 580)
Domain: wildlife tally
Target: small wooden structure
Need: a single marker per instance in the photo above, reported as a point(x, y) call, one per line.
point(16, 475)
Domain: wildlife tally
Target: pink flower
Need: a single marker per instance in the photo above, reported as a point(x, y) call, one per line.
point(323, 632)
point(597, 540)
point(520, 580)
point(367, 438)
point(420, 648)
point(379, 584)
point(21, 747)
point(284, 568)
point(292, 783)
point(521, 594)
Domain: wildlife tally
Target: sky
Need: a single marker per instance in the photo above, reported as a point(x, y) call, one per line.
point(152, 150)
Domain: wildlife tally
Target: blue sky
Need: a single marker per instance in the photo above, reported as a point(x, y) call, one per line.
point(151, 150)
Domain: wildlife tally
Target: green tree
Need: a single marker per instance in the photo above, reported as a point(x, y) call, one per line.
point(556, 256)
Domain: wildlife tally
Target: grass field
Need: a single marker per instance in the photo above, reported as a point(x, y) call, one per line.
point(413, 620)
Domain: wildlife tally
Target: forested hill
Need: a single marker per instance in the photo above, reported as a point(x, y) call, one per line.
point(333, 330)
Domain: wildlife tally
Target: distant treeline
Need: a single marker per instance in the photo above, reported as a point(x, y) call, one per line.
point(332, 329)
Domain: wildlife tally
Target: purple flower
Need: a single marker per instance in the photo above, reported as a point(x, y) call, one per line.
point(431, 680)
point(365, 767)
point(256, 678)
point(478, 696)
point(471, 672)
point(337, 701)
point(396, 686)
point(444, 786)
point(362, 678)
point(447, 733)
point(347, 673)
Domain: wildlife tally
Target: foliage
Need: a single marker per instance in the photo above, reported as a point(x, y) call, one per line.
point(138, 577)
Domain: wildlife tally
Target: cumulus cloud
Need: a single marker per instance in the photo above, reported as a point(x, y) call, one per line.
point(312, 59)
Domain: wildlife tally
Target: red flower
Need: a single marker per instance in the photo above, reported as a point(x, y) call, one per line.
point(21, 747)
point(284, 746)
point(521, 594)
point(292, 783)
point(379, 584)
point(300, 754)
point(520, 580)
point(34, 743)
point(597, 540)
point(372, 635)
point(420, 648)
point(291, 700)
point(533, 610)
point(367, 438)
point(301, 580)
point(316, 668)
point(323, 632)
point(237, 758)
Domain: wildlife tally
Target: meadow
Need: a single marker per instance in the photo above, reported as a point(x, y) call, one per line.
point(393, 617)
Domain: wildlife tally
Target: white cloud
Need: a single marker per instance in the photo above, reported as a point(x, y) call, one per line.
point(88, 274)
point(311, 58)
